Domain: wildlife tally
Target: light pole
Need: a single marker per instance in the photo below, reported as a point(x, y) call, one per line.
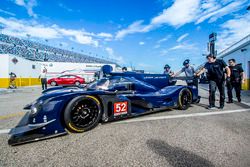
point(46, 50)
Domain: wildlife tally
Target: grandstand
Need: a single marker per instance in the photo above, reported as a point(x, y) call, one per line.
point(40, 52)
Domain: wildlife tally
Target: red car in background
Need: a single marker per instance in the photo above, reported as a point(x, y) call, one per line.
point(66, 80)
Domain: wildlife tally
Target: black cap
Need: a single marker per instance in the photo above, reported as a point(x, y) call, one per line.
point(211, 55)
point(166, 66)
point(186, 62)
point(124, 68)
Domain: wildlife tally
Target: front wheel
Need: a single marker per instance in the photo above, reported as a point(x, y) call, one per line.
point(82, 114)
point(185, 99)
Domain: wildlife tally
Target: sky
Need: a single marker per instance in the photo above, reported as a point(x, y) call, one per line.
point(143, 34)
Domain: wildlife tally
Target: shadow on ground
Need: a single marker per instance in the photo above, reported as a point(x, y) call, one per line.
point(176, 156)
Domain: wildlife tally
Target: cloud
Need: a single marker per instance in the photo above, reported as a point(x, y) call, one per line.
point(198, 28)
point(105, 35)
point(182, 12)
point(158, 43)
point(79, 36)
point(164, 39)
point(182, 37)
point(183, 46)
point(61, 5)
point(157, 46)
point(233, 30)
point(186, 10)
point(20, 28)
point(86, 40)
point(29, 5)
point(217, 13)
point(141, 43)
point(6, 12)
point(112, 55)
point(20, 2)
point(135, 27)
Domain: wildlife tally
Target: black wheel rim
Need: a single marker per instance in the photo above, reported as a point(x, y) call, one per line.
point(185, 99)
point(84, 113)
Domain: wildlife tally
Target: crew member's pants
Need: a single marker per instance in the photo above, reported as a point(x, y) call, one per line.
point(193, 83)
point(237, 88)
point(44, 83)
point(212, 90)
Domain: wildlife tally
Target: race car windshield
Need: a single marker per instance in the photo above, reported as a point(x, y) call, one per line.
point(102, 84)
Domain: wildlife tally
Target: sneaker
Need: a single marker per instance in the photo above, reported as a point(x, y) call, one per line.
point(211, 107)
point(230, 101)
point(239, 100)
point(221, 107)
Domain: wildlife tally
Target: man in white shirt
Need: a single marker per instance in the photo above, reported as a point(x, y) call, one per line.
point(43, 77)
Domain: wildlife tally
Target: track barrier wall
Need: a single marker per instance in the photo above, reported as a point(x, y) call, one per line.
point(19, 82)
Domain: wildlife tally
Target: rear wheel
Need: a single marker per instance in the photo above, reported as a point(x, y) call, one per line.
point(53, 83)
point(82, 114)
point(185, 99)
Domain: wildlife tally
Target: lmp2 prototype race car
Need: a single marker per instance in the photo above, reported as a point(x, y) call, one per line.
point(114, 97)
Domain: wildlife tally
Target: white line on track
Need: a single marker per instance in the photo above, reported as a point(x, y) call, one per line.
point(4, 131)
point(182, 116)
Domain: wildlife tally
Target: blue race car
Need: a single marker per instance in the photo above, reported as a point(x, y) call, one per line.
point(114, 97)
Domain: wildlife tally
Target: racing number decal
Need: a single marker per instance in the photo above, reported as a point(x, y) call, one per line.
point(120, 108)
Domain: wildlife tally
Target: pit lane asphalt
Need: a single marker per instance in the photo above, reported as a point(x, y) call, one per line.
point(215, 140)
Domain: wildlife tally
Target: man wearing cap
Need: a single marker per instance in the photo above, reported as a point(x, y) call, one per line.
point(189, 72)
point(124, 69)
point(167, 70)
point(215, 74)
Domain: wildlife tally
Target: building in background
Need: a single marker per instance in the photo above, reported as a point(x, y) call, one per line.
point(26, 59)
point(28, 71)
point(240, 51)
point(84, 70)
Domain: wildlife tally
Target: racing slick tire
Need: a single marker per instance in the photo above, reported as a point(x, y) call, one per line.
point(82, 113)
point(53, 83)
point(185, 99)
